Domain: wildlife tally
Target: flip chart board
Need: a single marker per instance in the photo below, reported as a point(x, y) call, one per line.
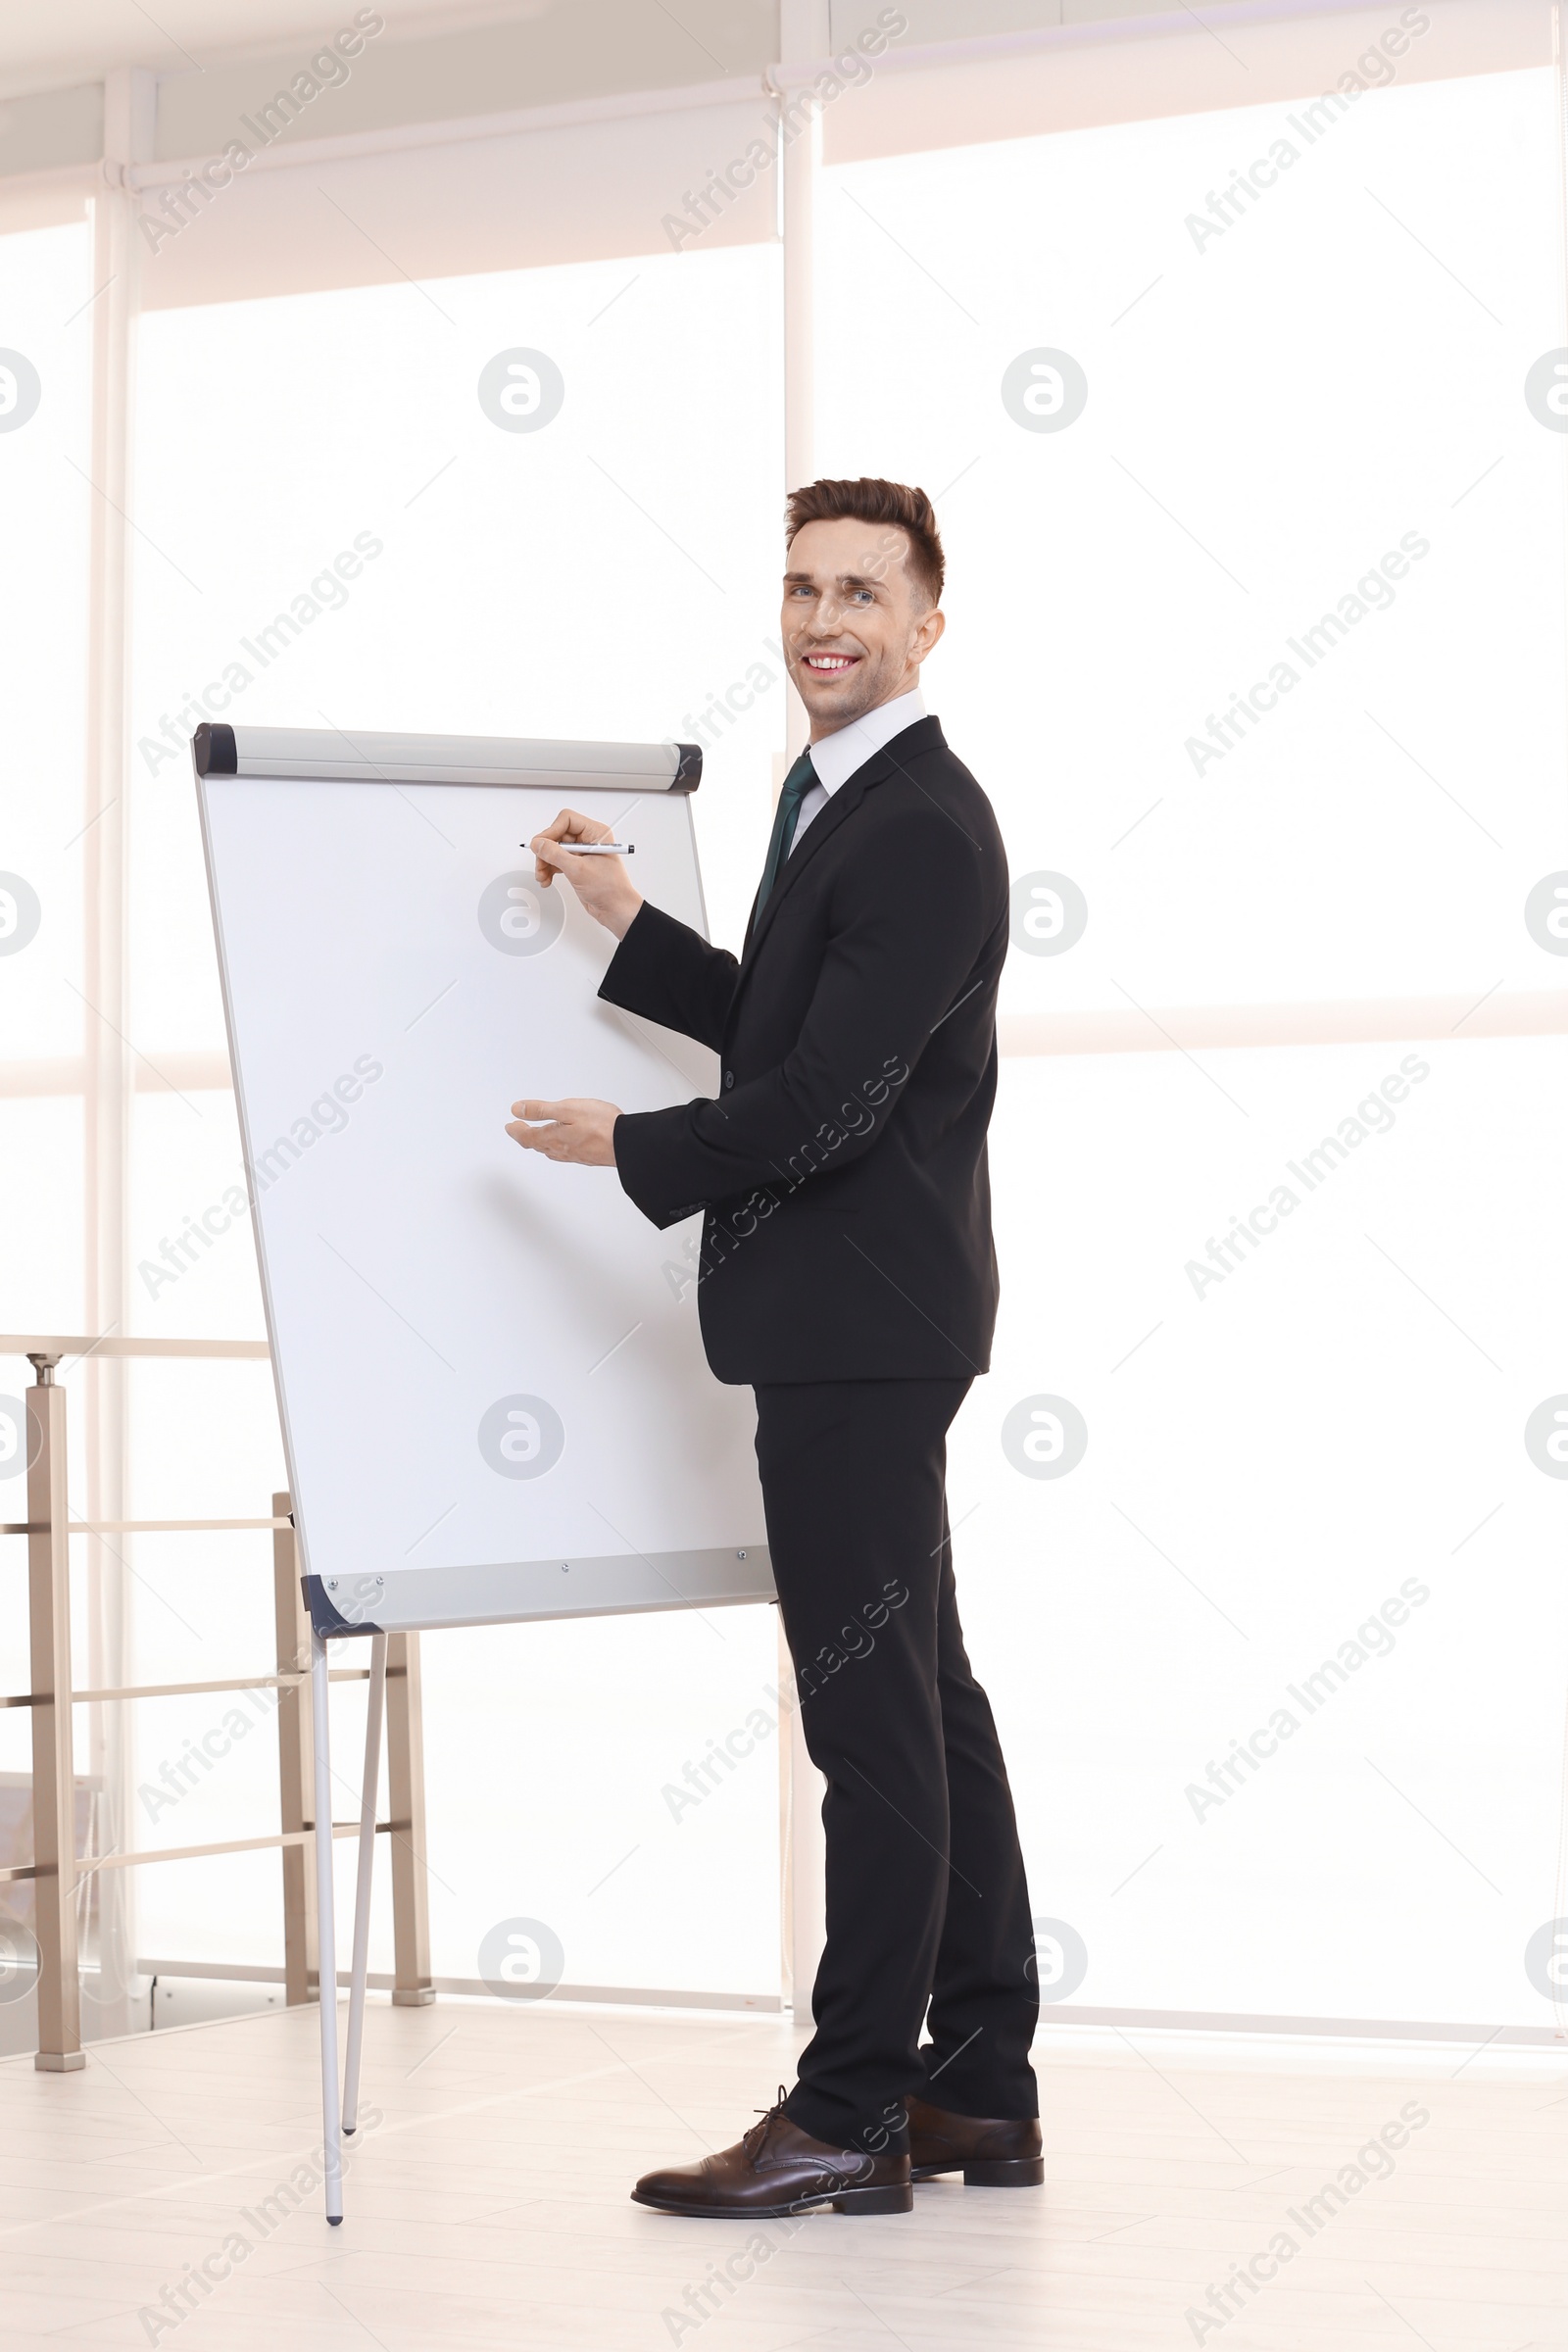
point(494, 1398)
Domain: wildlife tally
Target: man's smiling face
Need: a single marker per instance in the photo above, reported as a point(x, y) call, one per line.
point(855, 625)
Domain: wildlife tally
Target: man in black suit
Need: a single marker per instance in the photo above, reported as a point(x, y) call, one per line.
point(847, 1273)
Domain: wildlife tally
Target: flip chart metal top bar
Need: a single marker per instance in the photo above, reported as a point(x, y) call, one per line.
point(334, 756)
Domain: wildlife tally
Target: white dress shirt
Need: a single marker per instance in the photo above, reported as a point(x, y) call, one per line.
point(837, 758)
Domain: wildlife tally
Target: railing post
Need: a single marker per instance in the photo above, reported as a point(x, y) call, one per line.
point(411, 1987)
point(54, 1779)
point(295, 1762)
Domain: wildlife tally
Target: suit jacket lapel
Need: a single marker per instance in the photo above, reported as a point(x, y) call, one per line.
point(825, 822)
point(841, 805)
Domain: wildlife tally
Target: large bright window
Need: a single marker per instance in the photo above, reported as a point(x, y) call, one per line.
point(607, 573)
point(1237, 368)
point(49, 1030)
point(1255, 524)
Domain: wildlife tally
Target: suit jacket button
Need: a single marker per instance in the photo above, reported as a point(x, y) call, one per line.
point(729, 1078)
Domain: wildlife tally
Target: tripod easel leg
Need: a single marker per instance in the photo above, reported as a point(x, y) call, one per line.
point(326, 1939)
point(361, 1895)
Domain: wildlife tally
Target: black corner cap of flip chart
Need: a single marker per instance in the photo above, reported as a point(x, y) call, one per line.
point(212, 750)
point(326, 1616)
point(689, 768)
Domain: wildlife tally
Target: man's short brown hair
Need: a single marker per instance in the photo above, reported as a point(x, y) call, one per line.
point(870, 499)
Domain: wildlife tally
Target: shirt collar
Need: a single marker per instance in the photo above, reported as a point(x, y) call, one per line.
point(837, 758)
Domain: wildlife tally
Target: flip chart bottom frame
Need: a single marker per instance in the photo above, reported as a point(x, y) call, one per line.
point(423, 1601)
point(340, 2106)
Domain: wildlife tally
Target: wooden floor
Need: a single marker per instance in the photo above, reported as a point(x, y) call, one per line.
point(489, 2208)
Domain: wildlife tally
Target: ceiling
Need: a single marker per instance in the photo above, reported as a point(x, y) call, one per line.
point(214, 59)
point(60, 45)
point(45, 44)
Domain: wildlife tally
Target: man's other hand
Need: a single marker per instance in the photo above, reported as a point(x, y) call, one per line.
point(581, 1131)
point(600, 883)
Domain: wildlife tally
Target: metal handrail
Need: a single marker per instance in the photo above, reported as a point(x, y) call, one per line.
point(56, 1870)
point(53, 1344)
point(238, 1681)
point(144, 1526)
point(87, 1864)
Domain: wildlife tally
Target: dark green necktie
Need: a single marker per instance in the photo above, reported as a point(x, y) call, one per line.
point(796, 784)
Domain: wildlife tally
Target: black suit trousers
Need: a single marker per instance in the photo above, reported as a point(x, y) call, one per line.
point(926, 1897)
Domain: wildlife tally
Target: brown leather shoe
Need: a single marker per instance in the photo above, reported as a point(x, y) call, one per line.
point(777, 2169)
point(990, 2153)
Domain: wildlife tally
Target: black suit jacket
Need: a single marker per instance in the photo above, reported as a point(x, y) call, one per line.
point(843, 1164)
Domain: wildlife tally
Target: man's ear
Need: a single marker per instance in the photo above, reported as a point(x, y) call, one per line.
point(928, 632)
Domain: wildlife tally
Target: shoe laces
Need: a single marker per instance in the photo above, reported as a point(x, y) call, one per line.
point(754, 2139)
